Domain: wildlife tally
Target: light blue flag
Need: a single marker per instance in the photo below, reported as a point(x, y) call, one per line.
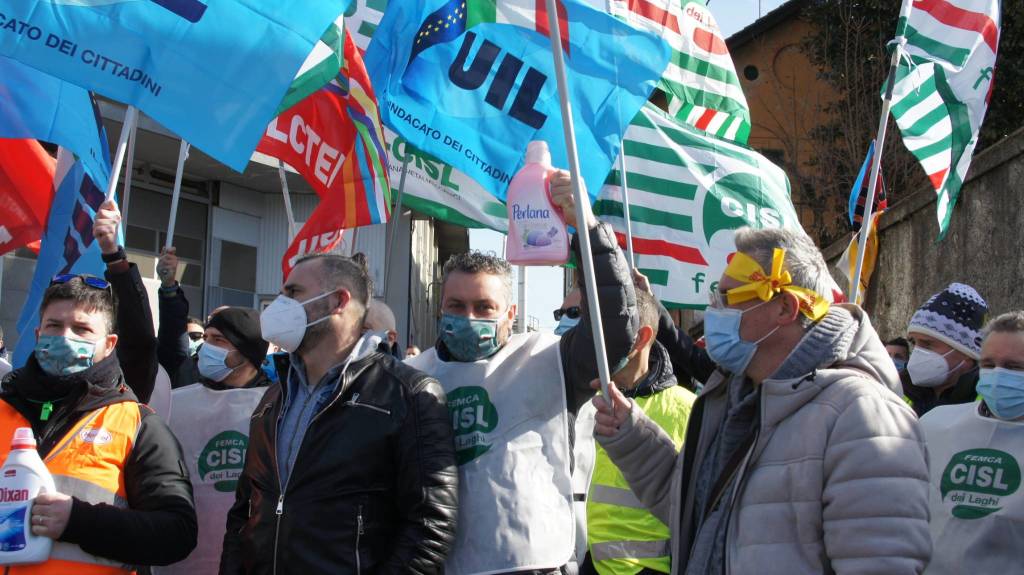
point(473, 82)
point(37, 106)
point(68, 245)
point(214, 72)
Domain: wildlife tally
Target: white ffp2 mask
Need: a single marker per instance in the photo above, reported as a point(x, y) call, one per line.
point(284, 322)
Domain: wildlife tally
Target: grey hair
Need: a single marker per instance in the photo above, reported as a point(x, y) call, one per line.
point(342, 272)
point(1009, 322)
point(804, 261)
point(478, 262)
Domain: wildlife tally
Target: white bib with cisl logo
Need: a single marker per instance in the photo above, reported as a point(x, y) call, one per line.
point(213, 429)
point(512, 447)
point(977, 506)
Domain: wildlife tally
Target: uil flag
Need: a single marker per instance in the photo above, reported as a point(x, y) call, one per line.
point(688, 192)
point(212, 71)
point(472, 83)
point(335, 140)
point(941, 94)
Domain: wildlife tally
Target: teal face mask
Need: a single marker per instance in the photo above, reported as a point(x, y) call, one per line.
point(469, 339)
point(61, 355)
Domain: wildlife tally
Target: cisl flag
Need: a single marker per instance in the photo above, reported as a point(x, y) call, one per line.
point(334, 139)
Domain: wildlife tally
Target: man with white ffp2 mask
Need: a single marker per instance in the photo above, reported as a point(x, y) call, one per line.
point(976, 500)
point(350, 466)
point(946, 333)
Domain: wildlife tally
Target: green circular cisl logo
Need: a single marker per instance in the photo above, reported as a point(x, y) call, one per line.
point(222, 459)
point(473, 417)
point(976, 480)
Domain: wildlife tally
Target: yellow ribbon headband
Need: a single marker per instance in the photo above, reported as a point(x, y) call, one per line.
point(760, 285)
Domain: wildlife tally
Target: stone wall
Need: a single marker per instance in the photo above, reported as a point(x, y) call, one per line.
point(984, 247)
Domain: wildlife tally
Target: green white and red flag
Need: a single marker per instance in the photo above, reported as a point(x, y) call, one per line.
point(688, 193)
point(943, 87)
point(701, 82)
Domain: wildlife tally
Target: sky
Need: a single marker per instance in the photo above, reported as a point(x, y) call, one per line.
point(544, 284)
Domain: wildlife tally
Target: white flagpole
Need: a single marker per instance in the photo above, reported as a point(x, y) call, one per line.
point(625, 207)
point(876, 162)
point(131, 118)
point(127, 194)
point(582, 200)
point(176, 194)
point(396, 219)
point(522, 299)
point(287, 200)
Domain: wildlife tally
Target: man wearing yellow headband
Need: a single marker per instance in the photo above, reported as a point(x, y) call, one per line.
point(800, 457)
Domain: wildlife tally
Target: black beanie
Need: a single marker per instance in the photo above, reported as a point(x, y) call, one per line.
point(241, 326)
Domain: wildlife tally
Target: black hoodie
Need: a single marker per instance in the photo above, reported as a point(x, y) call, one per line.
point(159, 526)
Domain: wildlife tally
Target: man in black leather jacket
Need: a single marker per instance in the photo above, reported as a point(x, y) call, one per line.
point(351, 462)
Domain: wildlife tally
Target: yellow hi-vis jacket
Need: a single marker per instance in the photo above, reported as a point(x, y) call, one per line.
point(88, 463)
point(622, 535)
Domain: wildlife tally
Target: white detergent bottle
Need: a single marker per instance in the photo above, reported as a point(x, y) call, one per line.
point(537, 235)
point(23, 477)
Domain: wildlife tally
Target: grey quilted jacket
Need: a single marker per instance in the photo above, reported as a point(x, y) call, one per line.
point(836, 480)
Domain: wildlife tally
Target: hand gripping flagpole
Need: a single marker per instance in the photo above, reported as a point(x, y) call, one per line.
point(131, 118)
point(876, 161)
point(178, 173)
point(582, 200)
point(287, 200)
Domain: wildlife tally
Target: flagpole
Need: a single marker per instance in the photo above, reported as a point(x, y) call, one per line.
point(876, 162)
point(625, 207)
point(396, 217)
point(522, 299)
point(582, 200)
point(178, 173)
point(127, 194)
point(131, 118)
point(287, 200)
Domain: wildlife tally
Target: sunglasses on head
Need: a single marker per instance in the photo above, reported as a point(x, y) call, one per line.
point(91, 281)
point(572, 313)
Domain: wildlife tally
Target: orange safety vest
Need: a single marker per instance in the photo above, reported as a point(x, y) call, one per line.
point(88, 464)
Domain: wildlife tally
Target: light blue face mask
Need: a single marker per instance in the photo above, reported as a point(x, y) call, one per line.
point(1003, 392)
point(469, 339)
point(193, 346)
point(61, 355)
point(722, 336)
point(213, 363)
point(900, 364)
point(565, 324)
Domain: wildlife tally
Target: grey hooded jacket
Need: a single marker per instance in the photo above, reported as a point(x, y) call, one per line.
point(836, 479)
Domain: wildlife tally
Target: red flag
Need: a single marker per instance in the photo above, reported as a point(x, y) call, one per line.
point(26, 191)
point(334, 139)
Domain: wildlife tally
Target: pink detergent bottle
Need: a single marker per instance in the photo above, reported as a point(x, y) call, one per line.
point(537, 234)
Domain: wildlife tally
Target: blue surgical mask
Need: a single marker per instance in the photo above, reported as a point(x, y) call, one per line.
point(1003, 392)
point(212, 363)
point(193, 346)
point(565, 324)
point(900, 364)
point(722, 336)
point(469, 339)
point(61, 355)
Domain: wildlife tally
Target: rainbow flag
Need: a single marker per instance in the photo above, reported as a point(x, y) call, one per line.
point(334, 139)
